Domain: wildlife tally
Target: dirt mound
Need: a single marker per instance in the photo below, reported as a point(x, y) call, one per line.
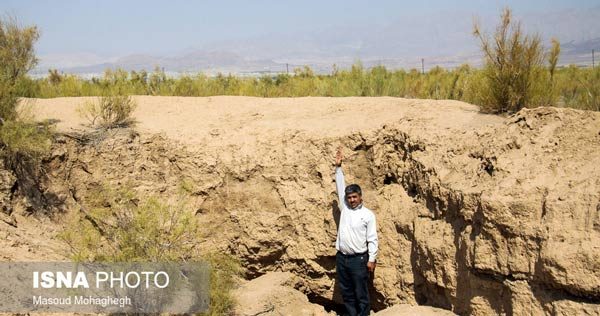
point(476, 213)
point(274, 294)
point(411, 310)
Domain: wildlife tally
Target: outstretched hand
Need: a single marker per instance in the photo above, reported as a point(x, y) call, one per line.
point(339, 157)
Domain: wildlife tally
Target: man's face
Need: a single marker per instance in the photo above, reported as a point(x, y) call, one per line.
point(354, 199)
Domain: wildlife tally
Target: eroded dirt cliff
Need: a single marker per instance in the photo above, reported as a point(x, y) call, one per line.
point(478, 214)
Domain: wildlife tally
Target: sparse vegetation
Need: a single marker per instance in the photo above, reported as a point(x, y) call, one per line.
point(514, 76)
point(116, 226)
point(119, 228)
point(109, 111)
point(551, 85)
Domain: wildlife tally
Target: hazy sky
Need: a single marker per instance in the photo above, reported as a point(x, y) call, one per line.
point(111, 27)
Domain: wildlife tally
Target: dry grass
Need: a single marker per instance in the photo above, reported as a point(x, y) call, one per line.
point(110, 111)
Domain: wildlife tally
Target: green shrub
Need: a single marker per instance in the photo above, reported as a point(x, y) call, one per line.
point(589, 97)
point(157, 83)
point(54, 77)
point(27, 87)
point(511, 61)
point(552, 85)
point(17, 57)
point(25, 138)
point(19, 135)
point(528, 86)
point(223, 277)
point(116, 226)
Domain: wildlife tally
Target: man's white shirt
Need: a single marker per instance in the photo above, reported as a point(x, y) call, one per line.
point(357, 231)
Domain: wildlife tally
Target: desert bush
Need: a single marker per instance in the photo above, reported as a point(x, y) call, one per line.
point(54, 77)
point(567, 82)
point(553, 57)
point(27, 87)
point(19, 135)
point(549, 85)
point(158, 82)
point(544, 83)
point(578, 87)
point(139, 77)
point(224, 273)
point(511, 60)
point(185, 87)
point(414, 84)
point(589, 96)
point(116, 226)
point(25, 138)
point(17, 57)
point(109, 111)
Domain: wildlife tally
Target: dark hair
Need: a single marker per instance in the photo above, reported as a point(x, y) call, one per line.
point(353, 188)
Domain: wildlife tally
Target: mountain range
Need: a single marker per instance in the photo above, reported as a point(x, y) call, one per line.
point(443, 39)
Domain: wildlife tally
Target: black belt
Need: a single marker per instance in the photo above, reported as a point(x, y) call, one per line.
point(353, 255)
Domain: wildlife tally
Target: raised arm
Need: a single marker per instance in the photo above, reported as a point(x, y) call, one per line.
point(340, 182)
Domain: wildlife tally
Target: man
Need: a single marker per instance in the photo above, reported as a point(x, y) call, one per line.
point(356, 244)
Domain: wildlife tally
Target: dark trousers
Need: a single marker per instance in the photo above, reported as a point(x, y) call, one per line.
point(353, 277)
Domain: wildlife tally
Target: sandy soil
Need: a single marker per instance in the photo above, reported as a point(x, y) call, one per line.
point(478, 213)
point(224, 120)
